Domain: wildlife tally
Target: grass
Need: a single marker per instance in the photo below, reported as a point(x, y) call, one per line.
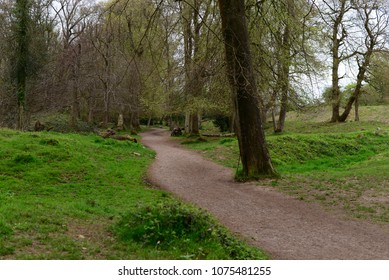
point(343, 166)
point(322, 114)
point(71, 196)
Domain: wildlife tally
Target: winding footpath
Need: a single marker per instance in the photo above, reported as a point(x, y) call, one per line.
point(284, 227)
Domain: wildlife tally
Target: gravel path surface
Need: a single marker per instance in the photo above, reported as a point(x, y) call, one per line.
point(284, 227)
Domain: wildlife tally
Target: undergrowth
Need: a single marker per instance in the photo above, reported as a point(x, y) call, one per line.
point(191, 233)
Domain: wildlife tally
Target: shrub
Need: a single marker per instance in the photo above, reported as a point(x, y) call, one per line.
point(222, 122)
point(191, 231)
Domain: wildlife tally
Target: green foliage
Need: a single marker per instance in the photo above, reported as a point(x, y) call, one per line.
point(191, 232)
point(378, 76)
point(5, 230)
point(222, 122)
point(369, 95)
point(23, 159)
point(51, 142)
point(60, 123)
point(226, 140)
point(326, 153)
point(316, 119)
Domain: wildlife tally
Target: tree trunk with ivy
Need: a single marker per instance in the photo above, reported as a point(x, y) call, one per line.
point(254, 153)
point(22, 17)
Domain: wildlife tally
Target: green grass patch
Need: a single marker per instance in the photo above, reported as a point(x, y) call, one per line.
point(190, 232)
point(62, 194)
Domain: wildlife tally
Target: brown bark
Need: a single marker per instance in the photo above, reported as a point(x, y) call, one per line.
point(358, 88)
point(336, 59)
point(134, 120)
point(371, 43)
point(335, 97)
point(75, 113)
point(20, 122)
point(356, 109)
point(285, 62)
point(254, 154)
point(194, 124)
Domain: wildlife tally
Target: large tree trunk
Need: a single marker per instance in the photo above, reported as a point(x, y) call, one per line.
point(252, 145)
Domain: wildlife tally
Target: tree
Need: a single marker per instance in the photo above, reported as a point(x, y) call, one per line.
point(334, 14)
point(252, 144)
point(22, 53)
point(72, 15)
point(375, 20)
point(358, 29)
point(378, 75)
point(196, 33)
point(284, 41)
point(284, 64)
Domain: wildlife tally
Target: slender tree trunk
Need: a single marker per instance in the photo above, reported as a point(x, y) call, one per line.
point(90, 115)
point(233, 122)
point(284, 81)
point(357, 109)
point(358, 88)
point(283, 107)
point(335, 97)
point(194, 124)
point(336, 59)
point(20, 123)
point(75, 113)
point(187, 124)
point(134, 114)
point(285, 63)
point(254, 154)
point(149, 121)
point(107, 104)
point(22, 17)
point(274, 121)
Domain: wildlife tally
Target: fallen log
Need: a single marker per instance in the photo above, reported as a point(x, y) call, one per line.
point(106, 134)
point(124, 138)
point(218, 135)
point(110, 133)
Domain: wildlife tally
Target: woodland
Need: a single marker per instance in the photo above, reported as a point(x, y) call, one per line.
point(292, 95)
point(85, 64)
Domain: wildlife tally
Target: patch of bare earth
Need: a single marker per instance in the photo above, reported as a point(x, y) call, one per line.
point(285, 227)
point(94, 239)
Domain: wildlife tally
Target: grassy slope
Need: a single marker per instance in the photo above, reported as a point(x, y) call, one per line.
point(341, 165)
point(68, 196)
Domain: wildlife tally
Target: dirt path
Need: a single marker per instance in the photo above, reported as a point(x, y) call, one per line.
point(283, 226)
